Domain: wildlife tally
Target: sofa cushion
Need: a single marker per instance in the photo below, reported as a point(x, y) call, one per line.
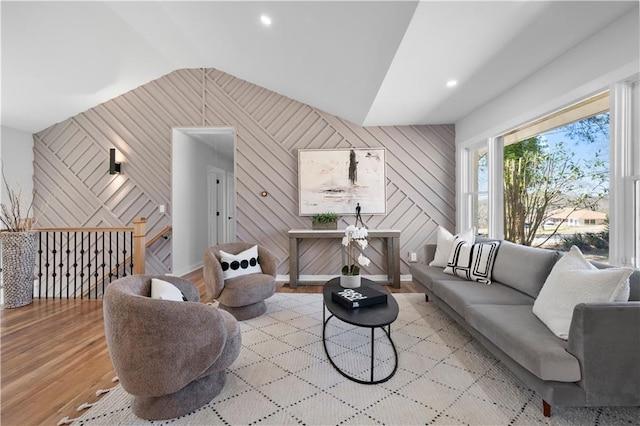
point(425, 275)
point(459, 294)
point(247, 289)
point(523, 268)
point(164, 290)
point(574, 280)
point(518, 333)
point(445, 243)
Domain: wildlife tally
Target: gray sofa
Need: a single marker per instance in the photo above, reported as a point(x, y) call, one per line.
point(599, 364)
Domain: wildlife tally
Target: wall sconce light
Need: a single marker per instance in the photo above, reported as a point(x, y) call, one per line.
point(114, 168)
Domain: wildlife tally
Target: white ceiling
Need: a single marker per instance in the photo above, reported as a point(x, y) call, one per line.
point(373, 63)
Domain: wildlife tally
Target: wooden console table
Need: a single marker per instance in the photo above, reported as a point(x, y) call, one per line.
point(391, 237)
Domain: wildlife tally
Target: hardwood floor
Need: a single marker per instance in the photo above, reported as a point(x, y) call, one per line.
point(54, 355)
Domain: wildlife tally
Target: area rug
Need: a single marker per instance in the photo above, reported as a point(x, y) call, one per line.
point(282, 377)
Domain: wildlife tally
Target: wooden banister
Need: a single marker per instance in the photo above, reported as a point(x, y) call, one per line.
point(159, 235)
point(139, 247)
point(118, 229)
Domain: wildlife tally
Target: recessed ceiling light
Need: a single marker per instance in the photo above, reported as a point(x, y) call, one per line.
point(266, 21)
point(452, 83)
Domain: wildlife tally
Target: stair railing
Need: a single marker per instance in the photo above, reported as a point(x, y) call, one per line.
point(78, 262)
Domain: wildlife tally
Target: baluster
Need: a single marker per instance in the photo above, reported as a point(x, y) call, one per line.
point(131, 250)
point(95, 261)
point(53, 265)
point(124, 254)
point(89, 265)
point(60, 265)
point(46, 266)
point(117, 256)
point(40, 265)
point(67, 262)
point(81, 265)
point(75, 265)
point(110, 257)
point(103, 264)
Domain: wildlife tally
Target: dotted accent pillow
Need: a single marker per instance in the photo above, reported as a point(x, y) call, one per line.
point(243, 263)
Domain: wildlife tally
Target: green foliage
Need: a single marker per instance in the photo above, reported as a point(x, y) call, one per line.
point(589, 241)
point(354, 270)
point(324, 218)
point(589, 129)
point(538, 182)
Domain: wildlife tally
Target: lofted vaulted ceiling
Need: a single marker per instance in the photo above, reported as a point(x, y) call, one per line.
point(373, 63)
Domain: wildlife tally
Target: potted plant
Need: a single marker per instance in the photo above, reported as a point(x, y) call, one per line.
point(19, 244)
point(354, 236)
point(324, 221)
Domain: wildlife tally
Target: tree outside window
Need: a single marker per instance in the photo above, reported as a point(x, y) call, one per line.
point(556, 187)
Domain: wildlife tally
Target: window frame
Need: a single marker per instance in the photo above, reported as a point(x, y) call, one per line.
point(624, 178)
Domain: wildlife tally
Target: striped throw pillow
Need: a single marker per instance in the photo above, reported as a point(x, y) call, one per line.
point(472, 261)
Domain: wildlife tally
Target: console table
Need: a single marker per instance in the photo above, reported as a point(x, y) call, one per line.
point(391, 238)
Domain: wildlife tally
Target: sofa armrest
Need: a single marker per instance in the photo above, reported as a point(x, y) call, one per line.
point(605, 337)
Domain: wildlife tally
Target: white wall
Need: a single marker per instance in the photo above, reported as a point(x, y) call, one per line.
point(605, 58)
point(16, 153)
point(190, 234)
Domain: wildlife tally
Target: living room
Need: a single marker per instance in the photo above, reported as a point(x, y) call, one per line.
point(278, 102)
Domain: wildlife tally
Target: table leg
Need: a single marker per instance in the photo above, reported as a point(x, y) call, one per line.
point(293, 262)
point(396, 261)
point(372, 355)
point(389, 243)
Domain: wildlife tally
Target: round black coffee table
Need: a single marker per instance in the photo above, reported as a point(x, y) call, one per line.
point(374, 316)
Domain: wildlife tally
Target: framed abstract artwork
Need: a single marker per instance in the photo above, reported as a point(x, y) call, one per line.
point(337, 180)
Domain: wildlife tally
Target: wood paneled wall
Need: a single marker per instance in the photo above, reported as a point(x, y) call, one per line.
point(74, 187)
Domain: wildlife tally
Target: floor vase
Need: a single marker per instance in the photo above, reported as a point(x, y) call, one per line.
point(18, 263)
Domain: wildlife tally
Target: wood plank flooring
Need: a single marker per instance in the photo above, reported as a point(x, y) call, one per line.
point(54, 355)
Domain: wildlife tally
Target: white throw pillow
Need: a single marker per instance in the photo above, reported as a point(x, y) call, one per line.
point(445, 243)
point(243, 263)
point(164, 290)
point(472, 261)
point(574, 280)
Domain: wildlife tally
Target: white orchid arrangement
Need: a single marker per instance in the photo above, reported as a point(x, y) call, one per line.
point(355, 236)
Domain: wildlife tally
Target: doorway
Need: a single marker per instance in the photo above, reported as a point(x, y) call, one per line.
point(203, 193)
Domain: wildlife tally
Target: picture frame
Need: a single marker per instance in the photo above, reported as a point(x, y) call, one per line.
point(337, 180)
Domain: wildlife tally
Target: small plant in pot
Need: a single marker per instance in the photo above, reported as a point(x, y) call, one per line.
point(354, 236)
point(324, 221)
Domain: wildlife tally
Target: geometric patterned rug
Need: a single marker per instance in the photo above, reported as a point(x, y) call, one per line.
point(444, 376)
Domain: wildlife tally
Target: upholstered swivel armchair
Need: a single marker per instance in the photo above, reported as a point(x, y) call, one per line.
point(171, 356)
point(243, 296)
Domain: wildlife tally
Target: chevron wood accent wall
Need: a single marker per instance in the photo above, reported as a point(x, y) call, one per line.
point(74, 188)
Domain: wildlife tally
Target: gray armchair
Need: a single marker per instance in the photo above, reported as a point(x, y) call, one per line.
point(241, 296)
point(170, 356)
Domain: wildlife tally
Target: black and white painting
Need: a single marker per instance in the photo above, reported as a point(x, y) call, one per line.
point(336, 180)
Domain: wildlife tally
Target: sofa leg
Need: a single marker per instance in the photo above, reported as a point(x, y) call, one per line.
point(546, 408)
point(426, 297)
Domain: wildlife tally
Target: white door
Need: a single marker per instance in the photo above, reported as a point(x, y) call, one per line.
point(217, 211)
point(230, 208)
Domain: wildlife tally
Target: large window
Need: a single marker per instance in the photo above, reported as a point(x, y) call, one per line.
point(480, 193)
point(570, 178)
point(556, 187)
